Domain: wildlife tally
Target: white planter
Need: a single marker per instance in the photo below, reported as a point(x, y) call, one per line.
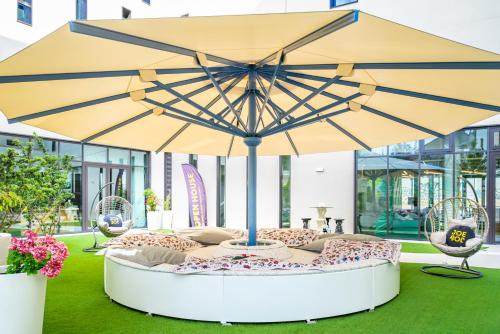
point(22, 302)
point(166, 222)
point(4, 247)
point(154, 220)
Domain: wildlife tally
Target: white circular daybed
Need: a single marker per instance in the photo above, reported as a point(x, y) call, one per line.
point(252, 296)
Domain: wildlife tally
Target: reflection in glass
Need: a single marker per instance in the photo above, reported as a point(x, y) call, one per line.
point(71, 214)
point(436, 143)
point(119, 178)
point(118, 156)
point(371, 196)
point(285, 178)
point(221, 191)
point(407, 148)
point(403, 197)
point(72, 149)
point(139, 177)
point(95, 181)
point(138, 158)
point(471, 139)
point(374, 152)
point(436, 181)
point(93, 153)
point(471, 167)
point(497, 199)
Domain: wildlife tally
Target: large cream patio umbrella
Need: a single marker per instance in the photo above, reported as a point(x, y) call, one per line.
point(288, 83)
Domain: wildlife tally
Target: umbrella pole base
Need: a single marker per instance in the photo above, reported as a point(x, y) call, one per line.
point(464, 269)
point(94, 249)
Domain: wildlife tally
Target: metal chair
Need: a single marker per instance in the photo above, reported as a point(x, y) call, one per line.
point(437, 224)
point(110, 205)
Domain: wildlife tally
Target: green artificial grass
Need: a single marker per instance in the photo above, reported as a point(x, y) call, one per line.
point(76, 303)
point(413, 247)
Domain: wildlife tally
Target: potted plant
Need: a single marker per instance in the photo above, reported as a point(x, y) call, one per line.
point(167, 212)
point(24, 280)
point(153, 213)
point(10, 213)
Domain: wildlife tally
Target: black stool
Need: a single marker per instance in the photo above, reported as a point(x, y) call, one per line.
point(338, 225)
point(305, 223)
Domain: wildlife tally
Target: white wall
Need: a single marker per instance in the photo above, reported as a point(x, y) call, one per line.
point(268, 192)
point(333, 187)
point(179, 192)
point(207, 166)
point(236, 207)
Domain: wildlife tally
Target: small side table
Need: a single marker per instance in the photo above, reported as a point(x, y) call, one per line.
point(338, 225)
point(305, 223)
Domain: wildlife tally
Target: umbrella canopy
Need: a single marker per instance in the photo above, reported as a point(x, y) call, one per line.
point(289, 83)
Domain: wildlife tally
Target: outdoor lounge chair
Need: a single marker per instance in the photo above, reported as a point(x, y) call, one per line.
point(451, 212)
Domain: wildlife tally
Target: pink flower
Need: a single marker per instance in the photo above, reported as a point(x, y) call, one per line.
point(39, 253)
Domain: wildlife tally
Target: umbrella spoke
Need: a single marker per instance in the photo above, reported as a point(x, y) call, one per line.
point(397, 91)
point(480, 65)
point(149, 112)
point(194, 104)
point(331, 27)
point(303, 101)
point(209, 105)
point(100, 100)
point(348, 134)
point(90, 30)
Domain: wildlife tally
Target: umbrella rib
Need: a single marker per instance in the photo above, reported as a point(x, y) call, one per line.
point(403, 92)
point(273, 80)
point(331, 27)
point(402, 121)
point(303, 101)
point(292, 144)
point(348, 134)
point(194, 104)
point(474, 65)
point(306, 122)
point(265, 74)
point(102, 74)
point(209, 105)
point(195, 119)
point(135, 118)
point(224, 97)
point(90, 30)
point(99, 101)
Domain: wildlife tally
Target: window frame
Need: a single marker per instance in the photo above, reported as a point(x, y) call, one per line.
point(333, 3)
point(26, 5)
point(79, 3)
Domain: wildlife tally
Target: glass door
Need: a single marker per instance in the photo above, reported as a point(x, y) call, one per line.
point(96, 176)
point(494, 197)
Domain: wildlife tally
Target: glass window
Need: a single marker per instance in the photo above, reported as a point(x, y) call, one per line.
point(285, 178)
point(372, 195)
point(436, 143)
point(147, 2)
point(470, 176)
point(138, 158)
point(139, 183)
point(8, 141)
point(71, 214)
point(93, 153)
point(407, 148)
point(71, 149)
point(471, 140)
point(403, 211)
point(126, 13)
point(118, 156)
point(81, 9)
point(337, 3)
point(221, 191)
point(168, 173)
point(193, 160)
point(374, 152)
point(49, 145)
point(24, 11)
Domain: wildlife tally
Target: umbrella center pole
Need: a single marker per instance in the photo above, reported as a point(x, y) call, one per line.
point(252, 143)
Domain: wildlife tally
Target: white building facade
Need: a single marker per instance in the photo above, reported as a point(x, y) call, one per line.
point(288, 187)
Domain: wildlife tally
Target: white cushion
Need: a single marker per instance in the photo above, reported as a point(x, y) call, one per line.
point(438, 238)
point(470, 222)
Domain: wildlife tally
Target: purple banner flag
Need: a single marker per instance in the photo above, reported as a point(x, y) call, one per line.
point(197, 196)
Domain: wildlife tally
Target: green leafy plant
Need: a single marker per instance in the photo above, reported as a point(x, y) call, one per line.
point(11, 208)
point(39, 182)
point(167, 203)
point(152, 201)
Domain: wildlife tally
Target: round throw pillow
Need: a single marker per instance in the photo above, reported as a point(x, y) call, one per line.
point(458, 235)
point(113, 220)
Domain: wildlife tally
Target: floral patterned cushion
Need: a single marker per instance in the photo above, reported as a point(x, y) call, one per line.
point(339, 251)
point(239, 263)
point(292, 237)
point(171, 241)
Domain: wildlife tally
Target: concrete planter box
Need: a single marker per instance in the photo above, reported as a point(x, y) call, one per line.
point(22, 303)
point(167, 219)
